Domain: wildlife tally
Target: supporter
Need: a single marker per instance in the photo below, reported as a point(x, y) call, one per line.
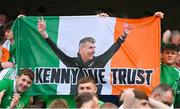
point(8, 35)
point(47, 99)
point(133, 98)
point(171, 37)
point(13, 93)
point(162, 93)
point(5, 54)
point(36, 102)
point(3, 18)
point(86, 100)
point(58, 103)
point(169, 71)
point(87, 84)
point(109, 105)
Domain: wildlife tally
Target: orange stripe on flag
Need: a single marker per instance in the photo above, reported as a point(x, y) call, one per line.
point(140, 50)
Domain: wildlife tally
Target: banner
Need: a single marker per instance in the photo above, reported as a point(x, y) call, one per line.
point(115, 66)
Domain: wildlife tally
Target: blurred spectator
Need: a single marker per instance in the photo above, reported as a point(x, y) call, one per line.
point(86, 100)
point(4, 18)
point(36, 102)
point(133, 98)
point(162, 93)
point(175, 37)
point(4, 53)
point(109, 105)
point(10, 43)
point(58, 103)
point(171, 37)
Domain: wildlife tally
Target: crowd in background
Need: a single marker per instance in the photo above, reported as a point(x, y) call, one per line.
point(165, 95)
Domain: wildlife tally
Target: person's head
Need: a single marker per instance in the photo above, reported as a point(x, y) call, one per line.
point(87, 48)
point(39, 102)
point(24, 80)
point(86, 100)
point(133, 98)
point(3, 18)
point(169, 54)
point(108, 105)
point(58, 103)
point(141, 99)
point(163, 93)
point(8, 33)
point(175, 37)
point(87, 84)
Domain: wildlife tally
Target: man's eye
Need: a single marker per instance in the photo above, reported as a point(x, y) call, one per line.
point(81, 88)
point(88, 88)
point(23, 79)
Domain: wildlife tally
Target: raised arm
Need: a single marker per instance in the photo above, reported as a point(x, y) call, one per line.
point(106, 56)
point(61, 55)
point(127, 29)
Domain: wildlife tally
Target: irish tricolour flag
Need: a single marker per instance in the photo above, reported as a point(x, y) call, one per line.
point(135, 64)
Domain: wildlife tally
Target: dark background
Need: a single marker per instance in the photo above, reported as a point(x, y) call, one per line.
point(119, 8)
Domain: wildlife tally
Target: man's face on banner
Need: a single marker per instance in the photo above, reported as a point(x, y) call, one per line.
point(87, 87)
point(87, 51)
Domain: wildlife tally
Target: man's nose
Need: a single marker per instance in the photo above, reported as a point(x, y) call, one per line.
point(93, 50)
point(25, 83)
point(170, 54)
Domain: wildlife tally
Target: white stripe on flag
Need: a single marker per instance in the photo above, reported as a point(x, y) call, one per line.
point(73, 28)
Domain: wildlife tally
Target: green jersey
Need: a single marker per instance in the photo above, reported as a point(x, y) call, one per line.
point(170, 76)
point(8, 86)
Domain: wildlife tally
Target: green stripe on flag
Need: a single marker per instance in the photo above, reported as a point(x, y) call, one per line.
point(32, 49)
